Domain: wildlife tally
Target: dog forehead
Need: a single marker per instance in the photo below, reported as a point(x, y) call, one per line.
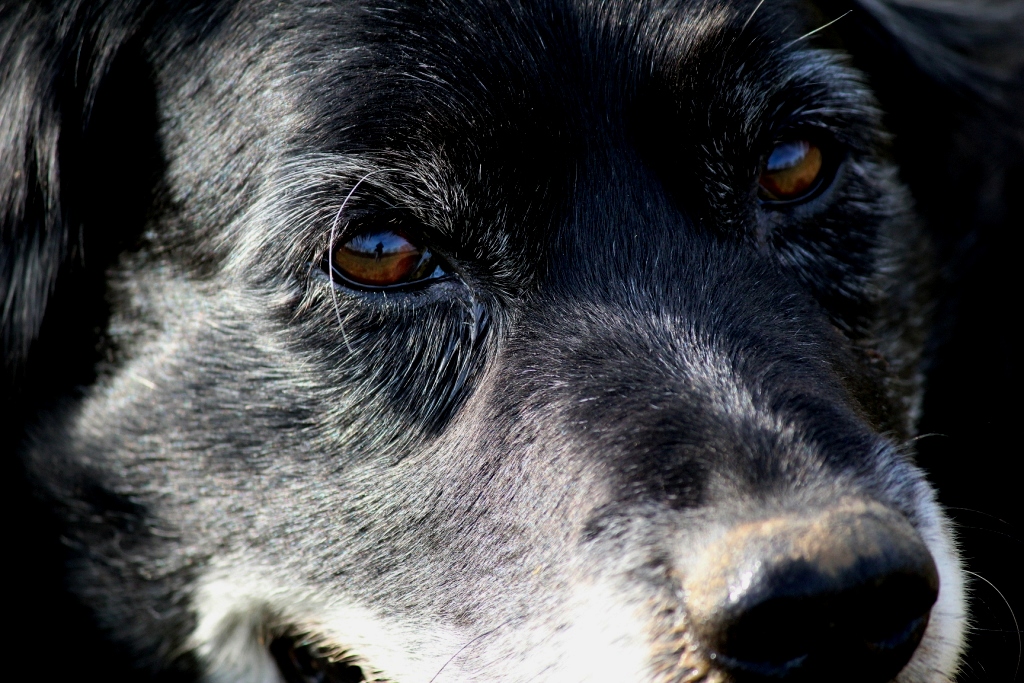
point(508, 101)
point(480, 107)
point(471, 71)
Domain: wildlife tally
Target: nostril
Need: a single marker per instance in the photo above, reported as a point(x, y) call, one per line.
point(844, 595)
point(861, 630)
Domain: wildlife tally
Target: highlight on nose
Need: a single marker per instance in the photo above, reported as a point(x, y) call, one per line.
point(839, 595)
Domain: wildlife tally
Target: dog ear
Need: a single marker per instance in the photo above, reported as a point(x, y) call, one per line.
point(54, 60)
point(33, 236)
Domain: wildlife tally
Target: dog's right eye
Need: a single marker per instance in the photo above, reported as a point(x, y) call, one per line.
point(383, 259)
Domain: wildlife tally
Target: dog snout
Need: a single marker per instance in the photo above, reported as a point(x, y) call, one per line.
point(841, 595)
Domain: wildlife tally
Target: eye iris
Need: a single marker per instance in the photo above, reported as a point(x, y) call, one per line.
point(379, 259)
point(791, 170)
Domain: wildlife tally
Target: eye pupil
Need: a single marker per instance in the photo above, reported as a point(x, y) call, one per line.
point(791, 172)
point(381, 258)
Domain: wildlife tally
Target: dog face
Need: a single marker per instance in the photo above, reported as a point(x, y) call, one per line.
point(508, 342)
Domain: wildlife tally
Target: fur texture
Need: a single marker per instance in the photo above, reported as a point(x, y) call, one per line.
point(504, 474)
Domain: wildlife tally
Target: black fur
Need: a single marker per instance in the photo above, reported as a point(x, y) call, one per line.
point(626, 330)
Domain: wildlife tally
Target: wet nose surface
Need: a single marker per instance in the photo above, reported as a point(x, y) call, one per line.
point(840, 595)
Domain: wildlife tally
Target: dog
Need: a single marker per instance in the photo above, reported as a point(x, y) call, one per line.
point(460, 340)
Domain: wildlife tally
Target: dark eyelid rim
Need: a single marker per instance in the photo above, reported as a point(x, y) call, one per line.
point(342, 284)
point(340, 280)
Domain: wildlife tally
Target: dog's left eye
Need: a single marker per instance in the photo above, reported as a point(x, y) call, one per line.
point(382, 259)
point(793, 171)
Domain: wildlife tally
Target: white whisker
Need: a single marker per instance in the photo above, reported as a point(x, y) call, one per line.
point(1020, 645)
point(820, 28)
point(330, 247)
point(744, 27)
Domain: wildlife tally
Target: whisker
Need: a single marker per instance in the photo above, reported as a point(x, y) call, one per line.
point(739, 33)
point(929, 434)
point(1020, 644)
point(330, 246)
point(470, 642)
point(1004, 534)
point(820, 28)
point(744, 27)
point(979, 512)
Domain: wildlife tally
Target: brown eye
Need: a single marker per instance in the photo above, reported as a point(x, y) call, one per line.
point(383, 258)
point(792, 171)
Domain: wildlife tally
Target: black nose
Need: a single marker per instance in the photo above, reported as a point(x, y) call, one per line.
point(842, 595)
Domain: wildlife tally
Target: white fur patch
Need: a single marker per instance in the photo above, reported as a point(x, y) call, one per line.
point(598, 636)
point(238, 608)
point(937, 658)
